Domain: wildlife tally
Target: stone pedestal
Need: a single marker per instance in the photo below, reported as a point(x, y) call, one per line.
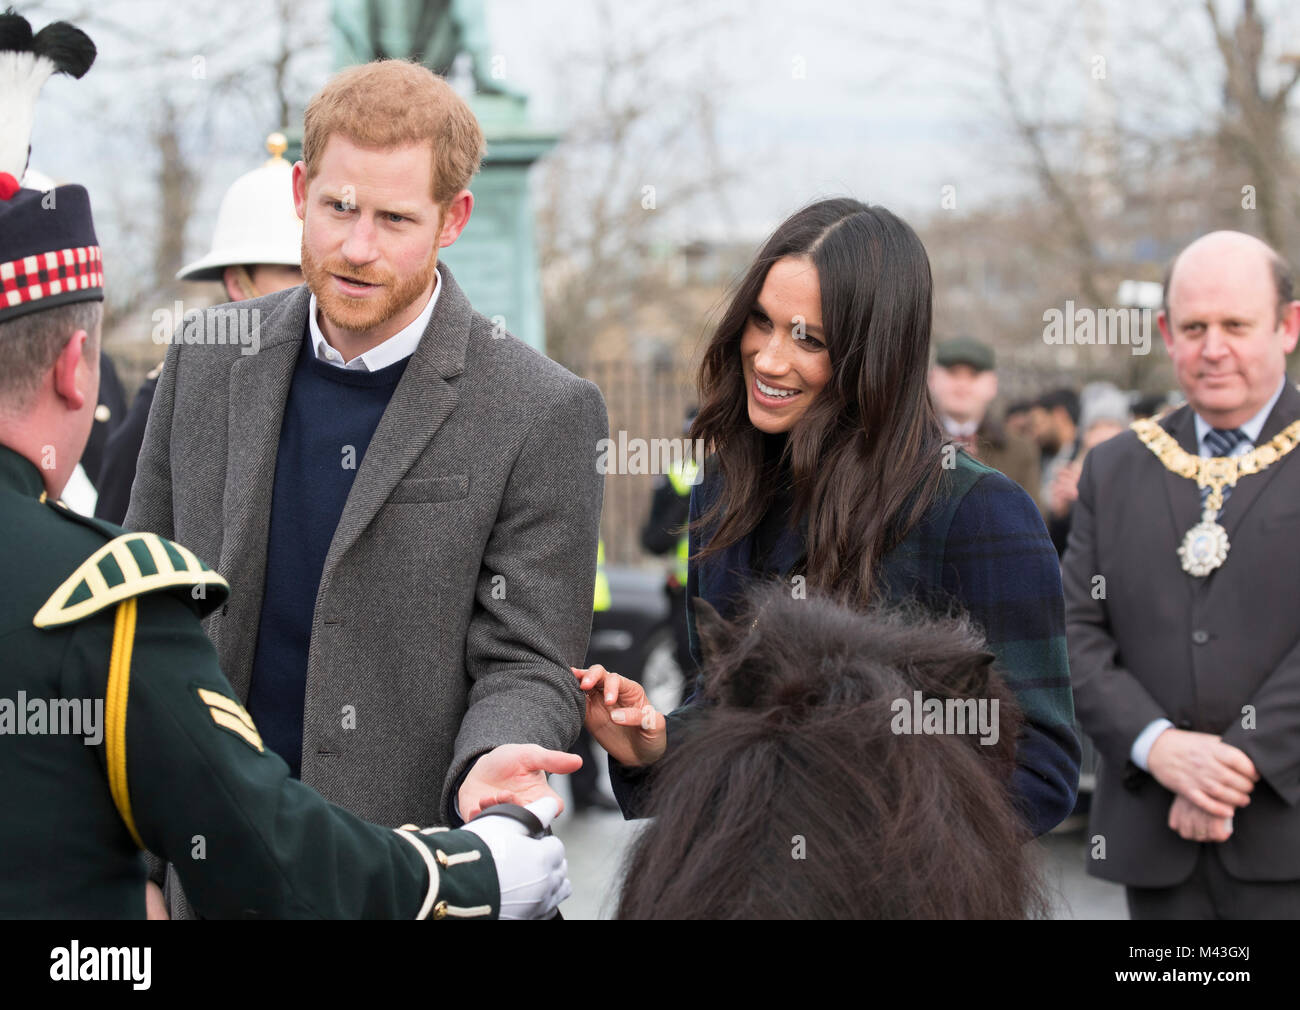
point(495, 258)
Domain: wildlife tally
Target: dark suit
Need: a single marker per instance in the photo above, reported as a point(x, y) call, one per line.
point(117, 469)
point(1197, 651)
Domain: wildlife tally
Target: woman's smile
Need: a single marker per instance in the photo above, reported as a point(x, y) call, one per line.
point(772, 396)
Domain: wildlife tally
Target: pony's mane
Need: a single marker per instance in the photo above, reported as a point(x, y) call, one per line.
point(793, 796)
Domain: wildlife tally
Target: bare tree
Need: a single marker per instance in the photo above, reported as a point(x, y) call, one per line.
point(629, 173)
point(1132, 138)
point(1252, 122)
point(177, 100)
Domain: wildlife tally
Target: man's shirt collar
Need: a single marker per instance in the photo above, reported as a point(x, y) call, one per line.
point(959, 429)
point(1252, 428)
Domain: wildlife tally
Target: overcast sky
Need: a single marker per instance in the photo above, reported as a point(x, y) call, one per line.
point(884, 101)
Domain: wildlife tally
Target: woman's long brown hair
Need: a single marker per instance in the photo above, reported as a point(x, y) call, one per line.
point(796, 798)
point(866, 455)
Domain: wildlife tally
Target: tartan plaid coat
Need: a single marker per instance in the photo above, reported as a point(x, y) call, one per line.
point(983, 547)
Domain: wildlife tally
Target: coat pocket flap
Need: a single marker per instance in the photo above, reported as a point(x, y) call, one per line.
point(430, 489)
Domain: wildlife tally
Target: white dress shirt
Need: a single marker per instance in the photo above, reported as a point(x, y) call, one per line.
point(1142, 745)
point(959, 429)
point(401, 344)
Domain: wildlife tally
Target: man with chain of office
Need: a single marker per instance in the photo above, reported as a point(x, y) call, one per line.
point(1181, 577)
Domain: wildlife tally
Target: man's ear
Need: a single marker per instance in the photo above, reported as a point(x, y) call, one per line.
point(231, 285)
point(1166, 331)
point(714, 633)
point(300, 189)
point(1290, 326)
point(66, 382)
point(455, 217)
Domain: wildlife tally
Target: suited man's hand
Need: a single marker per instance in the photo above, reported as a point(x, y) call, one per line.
point(1194, 824)
point(1215, 776)
point(513, 773)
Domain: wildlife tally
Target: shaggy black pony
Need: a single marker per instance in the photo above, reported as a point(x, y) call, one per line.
point(797, 794)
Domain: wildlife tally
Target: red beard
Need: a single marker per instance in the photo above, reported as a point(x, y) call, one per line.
point(361, 314)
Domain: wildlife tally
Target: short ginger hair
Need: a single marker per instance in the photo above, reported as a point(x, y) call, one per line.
point(392, 103)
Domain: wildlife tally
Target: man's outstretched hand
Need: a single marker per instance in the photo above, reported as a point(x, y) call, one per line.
point(513, 773)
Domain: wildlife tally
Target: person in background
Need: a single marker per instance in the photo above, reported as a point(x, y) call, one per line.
point(1056, 429)
point(964, 384)
point(664, 532)
point(1019, 420)
point(1105, 414)
point(255, 251)
point(1152, 405)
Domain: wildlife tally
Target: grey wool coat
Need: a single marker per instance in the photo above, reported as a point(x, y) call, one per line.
point(458, 585)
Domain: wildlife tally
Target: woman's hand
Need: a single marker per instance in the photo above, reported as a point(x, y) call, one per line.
point(621, 718)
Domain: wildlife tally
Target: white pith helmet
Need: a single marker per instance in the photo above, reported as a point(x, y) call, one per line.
point(256, 223)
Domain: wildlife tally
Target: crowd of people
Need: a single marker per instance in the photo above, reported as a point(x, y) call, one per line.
point(1039, 443)
point(387, 520)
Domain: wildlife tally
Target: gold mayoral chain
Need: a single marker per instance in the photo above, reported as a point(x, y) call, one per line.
point(1205, 547)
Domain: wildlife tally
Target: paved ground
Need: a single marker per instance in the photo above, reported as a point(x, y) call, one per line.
point(596, 842)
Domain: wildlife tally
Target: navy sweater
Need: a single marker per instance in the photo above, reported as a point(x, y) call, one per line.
point(329, 418)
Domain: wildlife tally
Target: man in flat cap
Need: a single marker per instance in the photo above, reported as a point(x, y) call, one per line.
point(964, 383)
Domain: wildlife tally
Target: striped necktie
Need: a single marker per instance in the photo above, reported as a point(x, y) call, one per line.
point(1222, 442)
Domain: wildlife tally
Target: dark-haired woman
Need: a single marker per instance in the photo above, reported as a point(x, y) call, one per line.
point(829, 471)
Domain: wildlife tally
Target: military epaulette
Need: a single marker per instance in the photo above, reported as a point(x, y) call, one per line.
point(130, 565)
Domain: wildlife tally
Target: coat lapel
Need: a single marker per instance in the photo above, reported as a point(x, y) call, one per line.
point(420, 404)
point(1184, 496)
point(725, 578)
point(721, 577)
point(259, 387)
point(1249, 488)
point(790, 549)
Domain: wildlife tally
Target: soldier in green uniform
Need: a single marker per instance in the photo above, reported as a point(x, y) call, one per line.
point(118, 732)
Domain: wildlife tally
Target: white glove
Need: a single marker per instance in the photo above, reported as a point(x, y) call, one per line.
point(532, 872)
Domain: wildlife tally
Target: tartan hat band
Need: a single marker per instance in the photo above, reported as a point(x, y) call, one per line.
point(48, 279)
point(49, 255)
